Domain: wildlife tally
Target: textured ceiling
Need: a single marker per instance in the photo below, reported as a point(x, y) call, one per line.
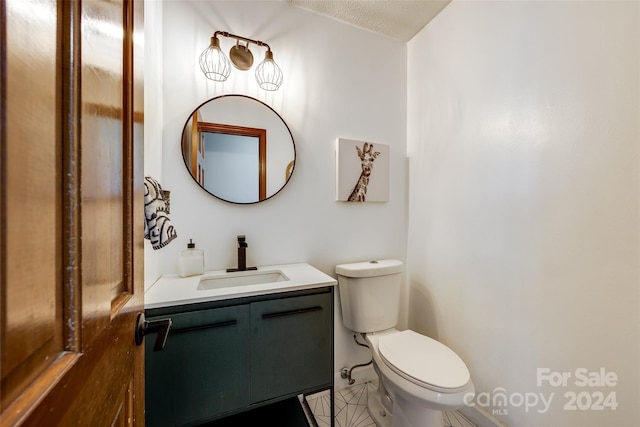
point(398, 19)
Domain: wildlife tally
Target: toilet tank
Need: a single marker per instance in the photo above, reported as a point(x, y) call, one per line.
point(370, 294)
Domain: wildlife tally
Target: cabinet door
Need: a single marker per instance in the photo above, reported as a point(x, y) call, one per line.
point(203, 370)
point(292, 345)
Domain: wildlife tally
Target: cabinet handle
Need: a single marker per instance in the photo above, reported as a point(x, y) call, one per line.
point(201, 327)
point(291, 312)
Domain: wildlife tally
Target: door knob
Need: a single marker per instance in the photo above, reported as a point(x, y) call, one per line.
point(145, 327)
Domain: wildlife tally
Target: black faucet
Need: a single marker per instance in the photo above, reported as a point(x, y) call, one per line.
point(242, 255)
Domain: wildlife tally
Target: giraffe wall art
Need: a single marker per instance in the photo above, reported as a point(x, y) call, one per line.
point(362, 171)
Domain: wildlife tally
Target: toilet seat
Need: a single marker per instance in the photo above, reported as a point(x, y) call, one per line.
point(424, 361)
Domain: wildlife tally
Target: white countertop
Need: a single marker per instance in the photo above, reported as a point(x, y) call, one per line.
point(171, 289)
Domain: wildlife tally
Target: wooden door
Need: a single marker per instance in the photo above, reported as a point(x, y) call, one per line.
point(71, 206)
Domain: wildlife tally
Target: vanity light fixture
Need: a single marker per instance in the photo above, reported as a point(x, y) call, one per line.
point(216, 66)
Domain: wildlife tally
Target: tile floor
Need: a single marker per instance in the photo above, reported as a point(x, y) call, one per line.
point(351, 409)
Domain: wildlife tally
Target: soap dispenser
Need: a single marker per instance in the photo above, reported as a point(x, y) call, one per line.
point(191, 261)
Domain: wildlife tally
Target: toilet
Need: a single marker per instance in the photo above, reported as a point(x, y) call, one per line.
point(419, 377)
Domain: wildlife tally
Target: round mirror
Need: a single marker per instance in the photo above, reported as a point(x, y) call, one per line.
point(238, 149)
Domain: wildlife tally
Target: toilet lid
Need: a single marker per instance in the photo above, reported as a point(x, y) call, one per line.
point(423, 360)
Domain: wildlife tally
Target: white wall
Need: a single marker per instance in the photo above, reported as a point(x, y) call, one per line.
point(153, 117)
point(339, 81)
point(523, 137)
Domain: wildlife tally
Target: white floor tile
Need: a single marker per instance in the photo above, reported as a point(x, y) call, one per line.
point(351, 409)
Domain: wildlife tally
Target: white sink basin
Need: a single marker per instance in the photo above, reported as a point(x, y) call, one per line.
point(216, 285)
point(241, 278)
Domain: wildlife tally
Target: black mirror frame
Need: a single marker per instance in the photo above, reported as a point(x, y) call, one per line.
point(289, 170)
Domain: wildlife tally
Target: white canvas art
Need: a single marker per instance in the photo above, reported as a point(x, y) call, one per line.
point(362, 171)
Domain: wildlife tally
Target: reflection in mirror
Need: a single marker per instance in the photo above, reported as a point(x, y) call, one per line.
point(238, 149)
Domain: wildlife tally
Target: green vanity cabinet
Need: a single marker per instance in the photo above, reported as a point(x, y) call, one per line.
point(291, 345)
point(230, 356)
point(203, 369)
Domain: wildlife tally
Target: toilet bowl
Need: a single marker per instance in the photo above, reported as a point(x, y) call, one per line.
point(419, 377)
